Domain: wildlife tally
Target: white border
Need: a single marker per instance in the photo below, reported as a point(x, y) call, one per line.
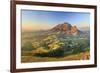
point(20, 65)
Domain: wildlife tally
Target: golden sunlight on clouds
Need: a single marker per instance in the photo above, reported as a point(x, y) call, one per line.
point(34, 27)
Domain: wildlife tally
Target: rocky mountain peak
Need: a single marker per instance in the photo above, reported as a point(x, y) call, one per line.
point(74, 29)
point(65, 27)
point(62, 27)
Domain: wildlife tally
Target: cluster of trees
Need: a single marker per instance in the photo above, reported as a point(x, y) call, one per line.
point(66, 48)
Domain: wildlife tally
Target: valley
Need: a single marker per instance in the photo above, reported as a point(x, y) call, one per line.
point(64, 42)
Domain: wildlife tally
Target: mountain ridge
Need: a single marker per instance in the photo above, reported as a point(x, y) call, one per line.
point(66, 28)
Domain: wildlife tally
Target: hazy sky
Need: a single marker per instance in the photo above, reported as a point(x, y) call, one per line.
point(39, 20)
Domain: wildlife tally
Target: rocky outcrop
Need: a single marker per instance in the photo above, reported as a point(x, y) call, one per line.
point(67, 28)
point(62, 27)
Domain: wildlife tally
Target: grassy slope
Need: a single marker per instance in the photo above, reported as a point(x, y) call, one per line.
point(81, 56)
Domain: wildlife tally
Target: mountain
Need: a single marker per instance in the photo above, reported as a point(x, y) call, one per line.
point(66, 28)
point(62, 27)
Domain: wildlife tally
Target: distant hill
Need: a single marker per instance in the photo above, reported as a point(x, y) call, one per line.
point(66, 28)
